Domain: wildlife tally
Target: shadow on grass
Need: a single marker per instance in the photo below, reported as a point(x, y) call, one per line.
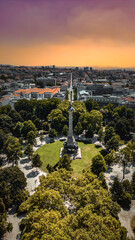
point(86, 142)
point(97, 146)
point(103, 152)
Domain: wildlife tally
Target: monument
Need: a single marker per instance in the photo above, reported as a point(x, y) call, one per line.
point(71, 146)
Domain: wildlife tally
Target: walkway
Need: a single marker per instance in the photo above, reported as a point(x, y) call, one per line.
point(125, 216)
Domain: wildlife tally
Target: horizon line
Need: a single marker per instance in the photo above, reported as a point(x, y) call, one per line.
point(68, 66)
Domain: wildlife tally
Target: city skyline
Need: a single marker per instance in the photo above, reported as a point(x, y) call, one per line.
point(68, 33)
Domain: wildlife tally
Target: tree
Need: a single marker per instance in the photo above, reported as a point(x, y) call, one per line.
point(5, 109)
point(57, 119)
point(12, 181)
point(49, 168)
point(44, 107)
point(110, 157)
point(123, 128)
point(116, 190)
point(31, 137)
point(65, 162)
point(100, 134)
point(91, 105)
point(12, 149)
point(18, 129)
point(4, 225)
point(124, 156)
point(89, 132)
point(36, 162)
point(118, 194)
point(38, 123)
point(85, 120)
point(126, 200)
point(127, 187)
point(96, 118)
point(6, 123)
point(45, 126)
point(16, 117)
point(52, 133)
point(27, 127)
point(92, 213)
point(108, 111)
point(3, 138)
point(80, 109)
point(65, 130)
point(24, 115)
point(109, 133)
point(103, 181)
point(98, 164)
point(26, 105)
point(113, 143)
point(29, 151)
point(21, 196)
point(78, 129)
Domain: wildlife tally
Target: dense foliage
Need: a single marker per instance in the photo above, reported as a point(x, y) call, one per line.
point(4, 225)
point(121, 192)
point(12, 149)
point(12, 183)
point(66, 208)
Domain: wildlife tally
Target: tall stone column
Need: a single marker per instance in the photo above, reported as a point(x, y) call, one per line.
point(70, 133)
point(70, 145)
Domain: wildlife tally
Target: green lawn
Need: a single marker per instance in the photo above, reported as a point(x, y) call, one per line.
point(88, 151)
point(49, 153)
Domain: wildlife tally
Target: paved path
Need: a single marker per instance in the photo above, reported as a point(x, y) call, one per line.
point(125, 216)
point(116, 171)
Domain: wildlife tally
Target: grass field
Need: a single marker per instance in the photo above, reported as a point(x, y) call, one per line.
point(49, 153)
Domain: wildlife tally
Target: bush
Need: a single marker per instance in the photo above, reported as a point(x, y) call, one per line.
point(125, 200)
point(98, 164)
point(52, 133)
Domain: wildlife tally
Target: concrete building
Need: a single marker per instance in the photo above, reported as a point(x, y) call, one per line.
point(46, 81)
point(38, 93)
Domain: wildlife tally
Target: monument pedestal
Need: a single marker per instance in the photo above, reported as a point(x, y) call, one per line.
point(73, 155)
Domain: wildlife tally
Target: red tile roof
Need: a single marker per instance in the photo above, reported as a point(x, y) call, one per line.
point(38, 90)
point(129, 99)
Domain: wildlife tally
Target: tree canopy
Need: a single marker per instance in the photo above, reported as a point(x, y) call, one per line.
point(98, 164)
point(67, 208)
point(12, 149)
point(12, 181)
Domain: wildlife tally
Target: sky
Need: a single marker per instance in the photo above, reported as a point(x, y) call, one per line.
point(67, 32)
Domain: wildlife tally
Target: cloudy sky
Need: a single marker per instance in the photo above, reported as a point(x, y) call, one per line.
point(67, 32)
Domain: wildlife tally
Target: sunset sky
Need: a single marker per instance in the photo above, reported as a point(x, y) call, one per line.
point(68, 32)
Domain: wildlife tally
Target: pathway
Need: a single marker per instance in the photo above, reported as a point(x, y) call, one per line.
point(125, 216)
